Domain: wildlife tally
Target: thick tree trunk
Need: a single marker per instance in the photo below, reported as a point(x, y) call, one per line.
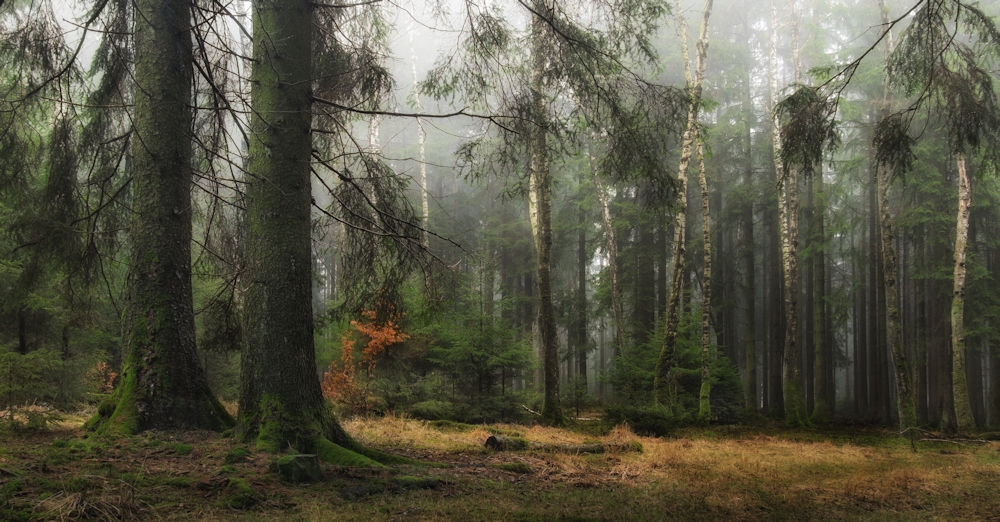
point(963, 408)
point(665, 362)
point(541, 187)
point(281, 404)
point(163, 385)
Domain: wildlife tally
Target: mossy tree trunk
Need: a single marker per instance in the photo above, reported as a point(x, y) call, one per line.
point(281, 403)
point(540, 200)
point(904, 389)
point(163, 385)
point(964, 420)
point(905, 403)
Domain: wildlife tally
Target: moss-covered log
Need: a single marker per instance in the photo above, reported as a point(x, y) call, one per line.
point(501, 443)
point(163, 385)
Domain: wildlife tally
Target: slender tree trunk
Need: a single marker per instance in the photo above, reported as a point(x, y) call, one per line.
point(421, 138)
point(904, 392)
point(163, 385)
point(541, 187)
point(749, 267)
point(704, 397)
point(611, 246)
point(581, 293)
point(665, 362)
point(960, 388)
point(821, 409)
point(777, 330)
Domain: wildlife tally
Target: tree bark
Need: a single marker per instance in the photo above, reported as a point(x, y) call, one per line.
point(281, 404)
point(162, 385)
point(960, 387)
point(904, 390)
point(704, 397)
point(541, 187)
point(665, 362)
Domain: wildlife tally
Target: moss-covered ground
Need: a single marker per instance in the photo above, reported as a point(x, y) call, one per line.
point(720, 473)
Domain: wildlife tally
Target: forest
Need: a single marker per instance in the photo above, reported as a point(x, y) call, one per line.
point(499, 259)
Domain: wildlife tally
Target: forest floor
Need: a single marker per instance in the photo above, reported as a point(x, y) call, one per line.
point(722, 473)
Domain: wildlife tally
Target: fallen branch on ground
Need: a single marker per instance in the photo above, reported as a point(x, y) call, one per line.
point(501, 443)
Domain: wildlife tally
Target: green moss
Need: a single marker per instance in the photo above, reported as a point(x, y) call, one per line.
point(227, 469)
point(235, 455)
point(239, 494)
point(340, 456)
point(181, 449)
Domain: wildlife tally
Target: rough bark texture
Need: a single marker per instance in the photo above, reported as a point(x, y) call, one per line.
point(704, 397)
point(788, 220)
point(541, 186)
point(904, 389)
point(162, 385)
point(661, 379)
point(963, 407)
point(905, 403)
point(281, 404)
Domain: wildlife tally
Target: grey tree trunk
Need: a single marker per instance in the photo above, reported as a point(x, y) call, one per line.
point(163, 385)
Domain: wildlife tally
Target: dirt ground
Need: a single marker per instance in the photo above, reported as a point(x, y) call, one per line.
point(761, 473)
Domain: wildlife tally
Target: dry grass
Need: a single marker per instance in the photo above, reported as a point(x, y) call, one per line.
point(722, 474)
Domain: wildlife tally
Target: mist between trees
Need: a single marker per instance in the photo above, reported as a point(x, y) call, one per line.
point(515, 211)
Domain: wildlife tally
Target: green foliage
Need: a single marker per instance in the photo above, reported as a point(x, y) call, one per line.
point(632, 376)
point(652, 420)
point(29, 377)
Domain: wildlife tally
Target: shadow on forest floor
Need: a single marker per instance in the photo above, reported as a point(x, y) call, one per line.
point(721, 473)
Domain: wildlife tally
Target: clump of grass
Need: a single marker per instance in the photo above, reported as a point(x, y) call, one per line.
point(181, 448)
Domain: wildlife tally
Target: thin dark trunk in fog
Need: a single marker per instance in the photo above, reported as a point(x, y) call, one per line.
point(821, 407)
